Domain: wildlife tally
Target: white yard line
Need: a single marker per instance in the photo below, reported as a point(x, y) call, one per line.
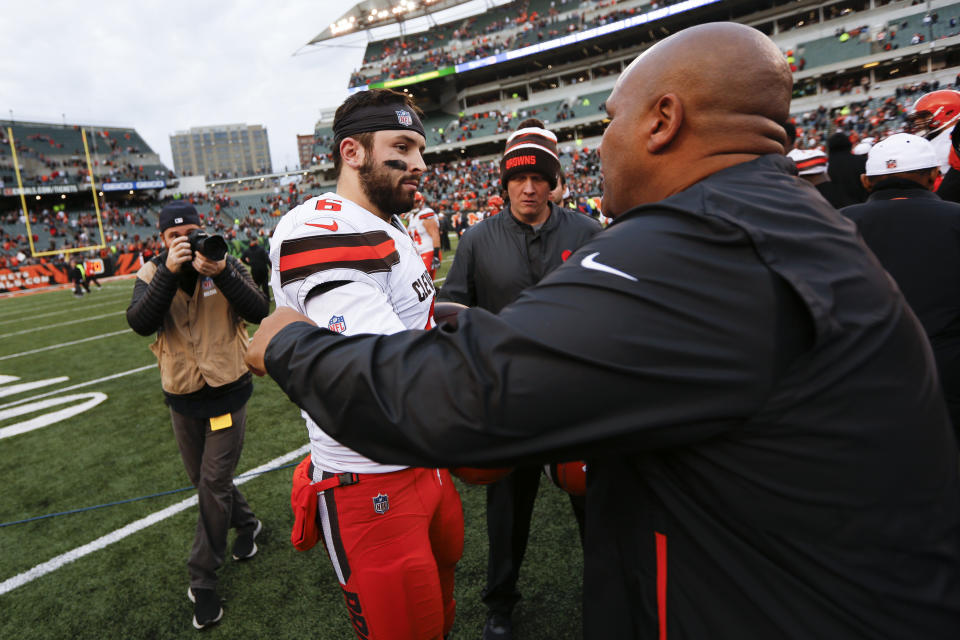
point(52, 565)
point(66, 344)
point(60, 324)
point(61, 311)
point(80, 385)
point(24, 312)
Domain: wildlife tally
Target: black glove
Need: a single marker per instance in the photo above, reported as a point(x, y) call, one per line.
point(436, 260)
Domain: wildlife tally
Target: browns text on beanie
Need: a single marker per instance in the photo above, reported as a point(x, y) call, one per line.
point(530, 149)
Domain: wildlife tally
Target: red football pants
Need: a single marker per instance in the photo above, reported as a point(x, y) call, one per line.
point(428, 263)
point(394, 540)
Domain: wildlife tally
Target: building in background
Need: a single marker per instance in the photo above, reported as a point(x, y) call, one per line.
point(221, 151)
point(305, 149)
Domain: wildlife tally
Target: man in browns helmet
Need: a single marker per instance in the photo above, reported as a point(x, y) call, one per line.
point(934, 117)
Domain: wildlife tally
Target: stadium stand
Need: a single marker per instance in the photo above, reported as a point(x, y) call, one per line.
point(54, 154)
point(55, 176)
point(833, 47)
point(858, 65)
point(594, 101)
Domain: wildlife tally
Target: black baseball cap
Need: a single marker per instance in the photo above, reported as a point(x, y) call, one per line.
point(176, 213)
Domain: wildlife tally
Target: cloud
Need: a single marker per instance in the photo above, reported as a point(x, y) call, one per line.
point(167, 67)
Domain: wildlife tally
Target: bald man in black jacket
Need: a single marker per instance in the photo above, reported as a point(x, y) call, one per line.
point(770, 455)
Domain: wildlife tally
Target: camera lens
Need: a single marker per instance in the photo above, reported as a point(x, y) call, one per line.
point(211, 247)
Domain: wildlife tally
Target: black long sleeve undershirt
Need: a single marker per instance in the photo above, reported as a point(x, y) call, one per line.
point(151, 301)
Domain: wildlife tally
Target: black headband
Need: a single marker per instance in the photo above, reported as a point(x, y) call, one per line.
point(377, 117)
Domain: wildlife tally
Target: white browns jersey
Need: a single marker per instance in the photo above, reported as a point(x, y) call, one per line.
point(373, 281)
point(422, 239)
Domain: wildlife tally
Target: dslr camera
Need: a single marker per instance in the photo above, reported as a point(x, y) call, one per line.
point(211, 247)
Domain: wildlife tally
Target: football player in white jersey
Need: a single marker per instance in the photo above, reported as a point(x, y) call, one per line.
point(424, 230)
point(394, 534)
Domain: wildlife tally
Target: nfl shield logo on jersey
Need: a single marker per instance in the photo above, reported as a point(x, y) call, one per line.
point(381, 503)
point(404, 118)
point(337, 324)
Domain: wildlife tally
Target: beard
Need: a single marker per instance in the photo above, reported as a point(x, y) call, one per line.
point(382, 188)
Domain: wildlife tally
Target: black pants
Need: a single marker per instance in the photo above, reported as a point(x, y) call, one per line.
point(261, 277)
point(509, 508)
point(210, 458)
point(79, 284)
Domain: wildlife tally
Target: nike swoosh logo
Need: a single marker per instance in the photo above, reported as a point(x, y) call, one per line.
point(328, 227)
point(589, 263)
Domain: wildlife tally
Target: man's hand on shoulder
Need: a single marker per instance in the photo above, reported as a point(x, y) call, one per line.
point(271, 326)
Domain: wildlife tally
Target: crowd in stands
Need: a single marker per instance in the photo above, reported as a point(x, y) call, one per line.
point(514, 26)
point(465, 185)
point(906, 31)
point(117, 156)
point(870, 118)
point(450, 187)
point(133, 228)
point(321, 148)
point(459, 186)
point(227, 175)
point(465, 127)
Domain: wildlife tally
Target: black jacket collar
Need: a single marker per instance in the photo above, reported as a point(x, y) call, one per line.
point(518, 225)
point(899, 189)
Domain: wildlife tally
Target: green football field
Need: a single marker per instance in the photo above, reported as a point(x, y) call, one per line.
point(83, 424)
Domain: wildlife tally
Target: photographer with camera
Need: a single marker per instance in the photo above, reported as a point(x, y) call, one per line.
point(197, 299)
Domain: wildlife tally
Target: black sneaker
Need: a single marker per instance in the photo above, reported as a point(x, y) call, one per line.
point(244, 546)
point(498, 627)
point(206, 607)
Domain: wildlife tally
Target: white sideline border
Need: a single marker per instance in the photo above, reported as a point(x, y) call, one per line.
point(65, 344)
point(61, 324)
point(42, 304)
point(115, 536)
point(34, 316)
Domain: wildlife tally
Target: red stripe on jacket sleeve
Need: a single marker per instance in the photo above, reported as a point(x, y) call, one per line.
point(662, 583)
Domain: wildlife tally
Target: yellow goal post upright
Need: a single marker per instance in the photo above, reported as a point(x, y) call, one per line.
point(26, 214)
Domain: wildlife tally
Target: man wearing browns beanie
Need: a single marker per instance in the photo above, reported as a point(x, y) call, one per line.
point(496, 260)
point(196, 299)
point(916, 236)
point(812, 166)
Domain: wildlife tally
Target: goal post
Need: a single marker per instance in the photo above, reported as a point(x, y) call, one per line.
point(26, 213)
